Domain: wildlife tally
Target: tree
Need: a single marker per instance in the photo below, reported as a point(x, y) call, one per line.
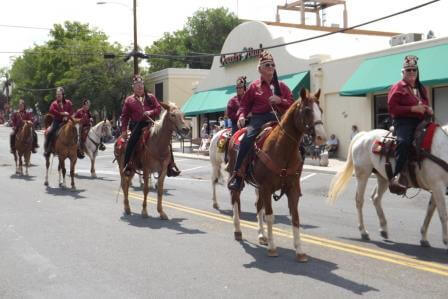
point(73, 58)
point(204, 32)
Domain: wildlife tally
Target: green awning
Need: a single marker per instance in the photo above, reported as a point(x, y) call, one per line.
point(215, 100)
point(380, 73)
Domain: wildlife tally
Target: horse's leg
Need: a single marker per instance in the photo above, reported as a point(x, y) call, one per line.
point(92, 165)
point(439, 197)
point(236, 205)
point(47, 165)
point(125, 182)
point(377, 195)
point(15, 161)
point(215, 179)
point(60, 172)
point(72, 172)
point(424, 230)
point(262, 239)
point(27, 162)
point(360, 190)
point(145, 192)
point(265, 197)
point(160, 181)
point(20, 164)
point(293, 203)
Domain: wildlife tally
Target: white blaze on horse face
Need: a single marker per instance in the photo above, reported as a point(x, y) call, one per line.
point(321, 135)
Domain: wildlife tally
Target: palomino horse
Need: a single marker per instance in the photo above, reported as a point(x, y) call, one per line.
point(154, 156)
point(278, 166)
point(93, 141)
point(64, 146)
point(23, 147)
point(363, 161)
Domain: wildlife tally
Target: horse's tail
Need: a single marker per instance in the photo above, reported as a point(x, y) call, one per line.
point(340, 181)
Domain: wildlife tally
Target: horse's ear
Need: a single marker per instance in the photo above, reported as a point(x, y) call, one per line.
point(165, 106)
point(104, 121)
point(317, 94)
point(303, 93)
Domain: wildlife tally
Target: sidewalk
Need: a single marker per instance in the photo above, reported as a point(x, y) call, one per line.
point(334, 165)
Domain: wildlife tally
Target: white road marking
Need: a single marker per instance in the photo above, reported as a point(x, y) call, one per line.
point(108, 172)
point(192, 168)
point(308, 176)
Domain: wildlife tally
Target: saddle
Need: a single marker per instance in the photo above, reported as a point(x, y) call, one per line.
point(421, 149)
point(56, 135)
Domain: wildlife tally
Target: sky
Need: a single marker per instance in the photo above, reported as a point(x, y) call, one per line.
point(156, 17)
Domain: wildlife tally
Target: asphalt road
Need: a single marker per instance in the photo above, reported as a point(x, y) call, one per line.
point(55, 243)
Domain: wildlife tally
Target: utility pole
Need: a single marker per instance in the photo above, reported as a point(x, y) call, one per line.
point(135, 39)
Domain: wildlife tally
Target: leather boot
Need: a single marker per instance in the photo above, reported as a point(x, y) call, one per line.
point(12, 141)
point(236, 183)
point(395, 186)
point(172, 170)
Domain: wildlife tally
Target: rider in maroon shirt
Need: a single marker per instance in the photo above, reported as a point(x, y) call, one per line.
point(18, 119)
point(234, 103)
point(85, 124)
point(408, 104)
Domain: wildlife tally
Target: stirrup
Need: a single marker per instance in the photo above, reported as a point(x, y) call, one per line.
point(80, 154)
point(172, 170)
point(102, 147)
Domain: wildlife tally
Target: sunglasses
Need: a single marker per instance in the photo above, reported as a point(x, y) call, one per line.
point(269, 65)
point(411, 70)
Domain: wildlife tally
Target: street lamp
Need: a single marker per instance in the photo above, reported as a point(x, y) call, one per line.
point(135, 51)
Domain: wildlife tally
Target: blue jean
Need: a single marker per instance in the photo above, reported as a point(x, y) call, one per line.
point(405, 130)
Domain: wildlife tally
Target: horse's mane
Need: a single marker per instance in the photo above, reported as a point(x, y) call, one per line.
point(290, 110)
point(158, 123)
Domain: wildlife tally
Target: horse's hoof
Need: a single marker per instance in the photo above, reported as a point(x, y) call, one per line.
point(73, 189)
point(93, 175)
point(425, 243)
point(127, 211)
point(238, 236)
point(301, 257)
point(384, 234)
point(365, 237)
point(46, 184)
point(215, 206)
point(272, 253)
point(145, 214)
point(163, 216)
point(263, 241)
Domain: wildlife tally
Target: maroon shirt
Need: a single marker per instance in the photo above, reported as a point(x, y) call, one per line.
point(256, 98)
point(56, 110)
point(19, 117)
point(84, 115)
point(133, 109)
point(232, 108)
point(401, 98)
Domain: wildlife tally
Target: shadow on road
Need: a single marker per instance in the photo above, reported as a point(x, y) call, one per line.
point(316, 268)
point(431, 254)
point(88, 177)
point(65, 192)
point(283, 219)
point(156, 223)
point(28, 178)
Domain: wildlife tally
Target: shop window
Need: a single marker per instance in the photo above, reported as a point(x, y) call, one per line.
point(440, 96)
point(381, 117)
point(159, 91)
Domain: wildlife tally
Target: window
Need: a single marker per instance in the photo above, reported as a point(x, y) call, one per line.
point(159, 91)
point(381, 116)
point(440, 95)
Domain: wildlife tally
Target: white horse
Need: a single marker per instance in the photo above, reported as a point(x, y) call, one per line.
point(430, 177)
point(217, 160)
point(93, 141)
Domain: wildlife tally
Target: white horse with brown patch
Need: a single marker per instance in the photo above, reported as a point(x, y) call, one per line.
point(362, 161)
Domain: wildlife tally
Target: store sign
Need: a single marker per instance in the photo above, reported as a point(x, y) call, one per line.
point(238, 57)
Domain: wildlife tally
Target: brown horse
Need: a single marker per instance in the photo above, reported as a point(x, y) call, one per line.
point(23, 146)
point(154, 156)
point(64, 146)
point(278, 167)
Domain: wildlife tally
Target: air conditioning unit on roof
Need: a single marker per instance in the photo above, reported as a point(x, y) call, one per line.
point(405, 39)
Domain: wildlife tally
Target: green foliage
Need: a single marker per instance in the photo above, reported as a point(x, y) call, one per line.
point(73, 58)
point(204, 32)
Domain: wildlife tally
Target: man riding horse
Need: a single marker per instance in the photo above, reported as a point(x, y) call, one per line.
point(59, 109)
point(86, 121)
point(234, 103)
point(408, 104)
point(264, 97)
point(18, 119)
point(140, 110)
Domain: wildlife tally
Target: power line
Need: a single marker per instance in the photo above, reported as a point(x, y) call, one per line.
point(24, 27)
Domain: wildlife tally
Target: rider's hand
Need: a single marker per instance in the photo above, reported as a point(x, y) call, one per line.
point(429, 110)
point(124, 135)
point(418, 109)
point(241, 122)
point(274, 100)
point(64, 113)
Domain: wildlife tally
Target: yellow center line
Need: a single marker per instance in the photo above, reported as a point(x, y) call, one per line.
point(341, 246)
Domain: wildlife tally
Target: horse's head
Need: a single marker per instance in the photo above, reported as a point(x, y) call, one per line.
point(309, 116)
point(176, 117)
point(106, 129)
